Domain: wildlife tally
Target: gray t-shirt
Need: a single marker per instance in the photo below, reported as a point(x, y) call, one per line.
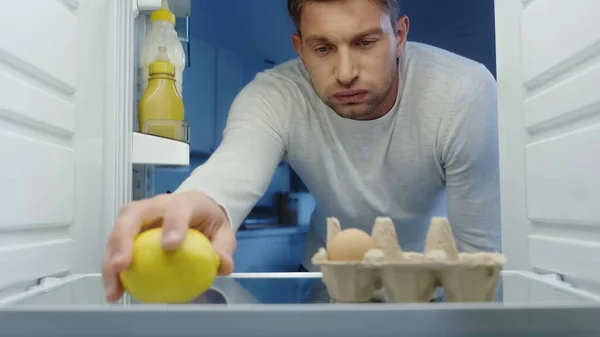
point(434, 153)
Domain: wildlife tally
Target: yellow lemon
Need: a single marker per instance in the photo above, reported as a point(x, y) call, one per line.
point(160, 276)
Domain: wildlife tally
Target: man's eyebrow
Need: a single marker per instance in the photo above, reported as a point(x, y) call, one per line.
point(318, 38)
point(371, 31)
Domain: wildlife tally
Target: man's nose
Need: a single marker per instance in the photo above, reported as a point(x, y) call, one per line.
point(347, 70)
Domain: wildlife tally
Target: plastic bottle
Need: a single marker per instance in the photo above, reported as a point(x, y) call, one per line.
point(161, 103)
point(162, 33)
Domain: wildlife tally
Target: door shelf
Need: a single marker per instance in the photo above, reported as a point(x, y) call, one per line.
point(154, 150)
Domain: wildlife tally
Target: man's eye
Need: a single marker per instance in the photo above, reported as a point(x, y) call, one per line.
point(321, 49)
point(366, 43)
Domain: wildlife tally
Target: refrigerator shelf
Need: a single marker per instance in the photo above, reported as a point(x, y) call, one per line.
point(280, 304)
point(154, 150)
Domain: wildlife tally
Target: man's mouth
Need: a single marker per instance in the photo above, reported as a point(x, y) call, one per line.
point(350, 96)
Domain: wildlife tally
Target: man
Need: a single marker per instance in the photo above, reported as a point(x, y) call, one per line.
point(374, 126)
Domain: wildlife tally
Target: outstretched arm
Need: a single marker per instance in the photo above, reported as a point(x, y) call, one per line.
point(254, 142)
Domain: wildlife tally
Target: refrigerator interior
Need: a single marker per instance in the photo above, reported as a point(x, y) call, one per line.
point(67, 303)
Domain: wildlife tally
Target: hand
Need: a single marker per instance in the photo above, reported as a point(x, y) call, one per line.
point(175, 213)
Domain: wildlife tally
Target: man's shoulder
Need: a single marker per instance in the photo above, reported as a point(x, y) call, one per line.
point(292, 70)
point(445, 87)
point(285, 76)
point(285, 84)
point(426, 53)
point(274, 94)
point(450, 70)
point(441, 65)
point(438, 77)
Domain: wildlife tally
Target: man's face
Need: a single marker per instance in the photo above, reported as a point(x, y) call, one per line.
point(350, 49)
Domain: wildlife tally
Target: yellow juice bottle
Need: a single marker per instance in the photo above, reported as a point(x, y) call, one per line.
point(161, 102)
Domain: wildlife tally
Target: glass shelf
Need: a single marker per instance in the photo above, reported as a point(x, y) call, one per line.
point(280, 304)
point(290, 288)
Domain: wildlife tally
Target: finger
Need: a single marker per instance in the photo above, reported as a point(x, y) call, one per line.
point(176, 221)
point(224, 243)
point(130, 221)
point(189, 209)
point(112, 287)
point(117, 258)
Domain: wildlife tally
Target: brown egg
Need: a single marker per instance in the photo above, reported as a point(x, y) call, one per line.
point(349, 245)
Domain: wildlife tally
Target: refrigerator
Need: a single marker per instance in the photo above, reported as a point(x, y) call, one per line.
point(71, 158)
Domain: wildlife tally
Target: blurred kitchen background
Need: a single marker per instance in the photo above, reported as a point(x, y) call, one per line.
point(228, 42)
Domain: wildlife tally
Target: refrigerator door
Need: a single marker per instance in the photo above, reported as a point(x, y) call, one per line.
point(66, 110)
point(52, 72)
point(76, 307)
point(548, 66)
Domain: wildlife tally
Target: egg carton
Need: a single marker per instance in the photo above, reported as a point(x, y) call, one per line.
point(410, 276)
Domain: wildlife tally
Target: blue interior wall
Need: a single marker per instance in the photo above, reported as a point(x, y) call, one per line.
point(262, 29)
point(465, 27)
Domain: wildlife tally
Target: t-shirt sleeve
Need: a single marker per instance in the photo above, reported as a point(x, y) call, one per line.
point(470, 162)
point(238, 173)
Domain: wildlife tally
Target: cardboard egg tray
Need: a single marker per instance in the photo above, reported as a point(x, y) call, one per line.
point(410, 276)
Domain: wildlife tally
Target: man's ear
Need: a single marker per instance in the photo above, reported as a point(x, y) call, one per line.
point(402, 27)
point(297, 43)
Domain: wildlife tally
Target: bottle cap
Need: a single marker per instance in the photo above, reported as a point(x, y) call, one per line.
point(162, 67)
point(162, 14)
point(162, 64)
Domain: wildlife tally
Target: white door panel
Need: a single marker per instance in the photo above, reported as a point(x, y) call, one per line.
point(46, 197)
point(39, 37)
point(554, 105)
point(563, 178)
point(556, 38)
point(25, 103)
point(51, 99)
point(548, 57)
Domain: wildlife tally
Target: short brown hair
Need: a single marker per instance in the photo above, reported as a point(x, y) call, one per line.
point(391, 7)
